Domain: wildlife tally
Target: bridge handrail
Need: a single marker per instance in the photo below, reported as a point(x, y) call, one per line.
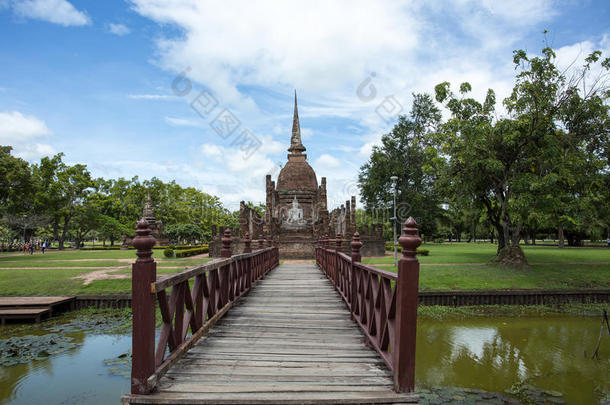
point(217, 286)
point(170, 280)
point(382, 303)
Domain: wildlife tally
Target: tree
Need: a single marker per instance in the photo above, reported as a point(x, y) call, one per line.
point(187, 233)
point(408, 152)
point(16, 184)
point(512, 165)
point(62, 190)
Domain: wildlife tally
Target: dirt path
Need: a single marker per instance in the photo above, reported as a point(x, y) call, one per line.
point(105, 274)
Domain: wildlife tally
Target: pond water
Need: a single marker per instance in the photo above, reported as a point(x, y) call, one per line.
point(535, 358)
point(529, 354)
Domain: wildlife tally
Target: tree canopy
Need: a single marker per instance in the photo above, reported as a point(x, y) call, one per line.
point(55, 200)
point(544, 163)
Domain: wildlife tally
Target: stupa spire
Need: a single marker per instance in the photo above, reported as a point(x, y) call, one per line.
point(296, 146)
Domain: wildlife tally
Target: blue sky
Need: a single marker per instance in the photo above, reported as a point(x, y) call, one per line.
point(94, 79)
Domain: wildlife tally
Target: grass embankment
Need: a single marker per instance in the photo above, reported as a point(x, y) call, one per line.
point(450, 266)
point(55, 272)
point(462, 266)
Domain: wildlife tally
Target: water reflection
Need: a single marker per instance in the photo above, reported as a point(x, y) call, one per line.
point(495, 353)
point(488, 353)
point(78, 376)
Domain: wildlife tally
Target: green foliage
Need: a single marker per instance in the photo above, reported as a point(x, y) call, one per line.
point(57, 201)
point(545, 164)
point(423, 252)
point(439, 240)
point(409, 153)
point(183, 232)
point(169, 252)
point(191, 252)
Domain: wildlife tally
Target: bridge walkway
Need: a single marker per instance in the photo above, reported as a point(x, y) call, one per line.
point(290, 340)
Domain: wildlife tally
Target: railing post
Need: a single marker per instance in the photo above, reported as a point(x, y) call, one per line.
point(143, 274)
point(223, 272)
point(276, 257)
point(261, 241)
point(248, 249)
point(226, 244)
point(356, 258)
point(338, 242)
point(403, 354)
point(247, 243)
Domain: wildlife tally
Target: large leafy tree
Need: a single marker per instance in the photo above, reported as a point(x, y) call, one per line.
point(409, 153)
point(16, 184)
point(519, 164)
point(61, 193)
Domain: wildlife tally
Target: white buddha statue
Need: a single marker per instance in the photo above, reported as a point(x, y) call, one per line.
point(295, 214)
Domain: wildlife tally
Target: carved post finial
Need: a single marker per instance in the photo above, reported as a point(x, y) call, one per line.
point(143, 274)
point(409, 240)
point(338, 242)
point(325, 242)
point(261, 241)
point(247, 243)
point(406, 291)
point(226, 243)
point(269, 241)
point(143, 242)
point(356, 245)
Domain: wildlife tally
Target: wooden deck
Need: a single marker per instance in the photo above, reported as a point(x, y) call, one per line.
point(19, 308)
point(290, 340)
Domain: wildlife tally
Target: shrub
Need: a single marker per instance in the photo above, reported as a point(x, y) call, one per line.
point(192, 252)
point(439, 240)
point(423, 252)
point(100, 248)
point(168, 252)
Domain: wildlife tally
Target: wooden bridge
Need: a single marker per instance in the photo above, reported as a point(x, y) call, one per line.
point(245, 329)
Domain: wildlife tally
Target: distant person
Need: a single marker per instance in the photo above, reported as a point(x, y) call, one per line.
point(26, 246)
point(43, 247)
point(31, 248)
point(608, 241)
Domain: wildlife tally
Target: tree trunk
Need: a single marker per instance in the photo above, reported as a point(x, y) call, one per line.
point(501, 241)
point(561, 236)
point(533, 237)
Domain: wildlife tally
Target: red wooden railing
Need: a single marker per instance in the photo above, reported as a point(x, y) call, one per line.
point(216, 286)
point(384, 304)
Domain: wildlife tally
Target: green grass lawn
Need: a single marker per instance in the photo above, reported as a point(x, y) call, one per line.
point(452, 272)
point(53, 273)
point(484, 252)
point(489, 277)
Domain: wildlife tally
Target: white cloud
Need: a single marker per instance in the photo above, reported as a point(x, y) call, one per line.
point(317, 45)
point(16, 127)
point(327, 161)
point(21, 132)
point(34, 151)
point(151, 97)
point(118, 29)
point(211, 151)
point(184, 122)
point(55, 11)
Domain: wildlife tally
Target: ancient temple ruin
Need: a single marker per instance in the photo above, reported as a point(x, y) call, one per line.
point(296, 210)
point(156, 226)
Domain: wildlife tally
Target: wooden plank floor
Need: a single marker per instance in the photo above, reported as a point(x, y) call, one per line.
point(290, 340)
point(32, 301)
